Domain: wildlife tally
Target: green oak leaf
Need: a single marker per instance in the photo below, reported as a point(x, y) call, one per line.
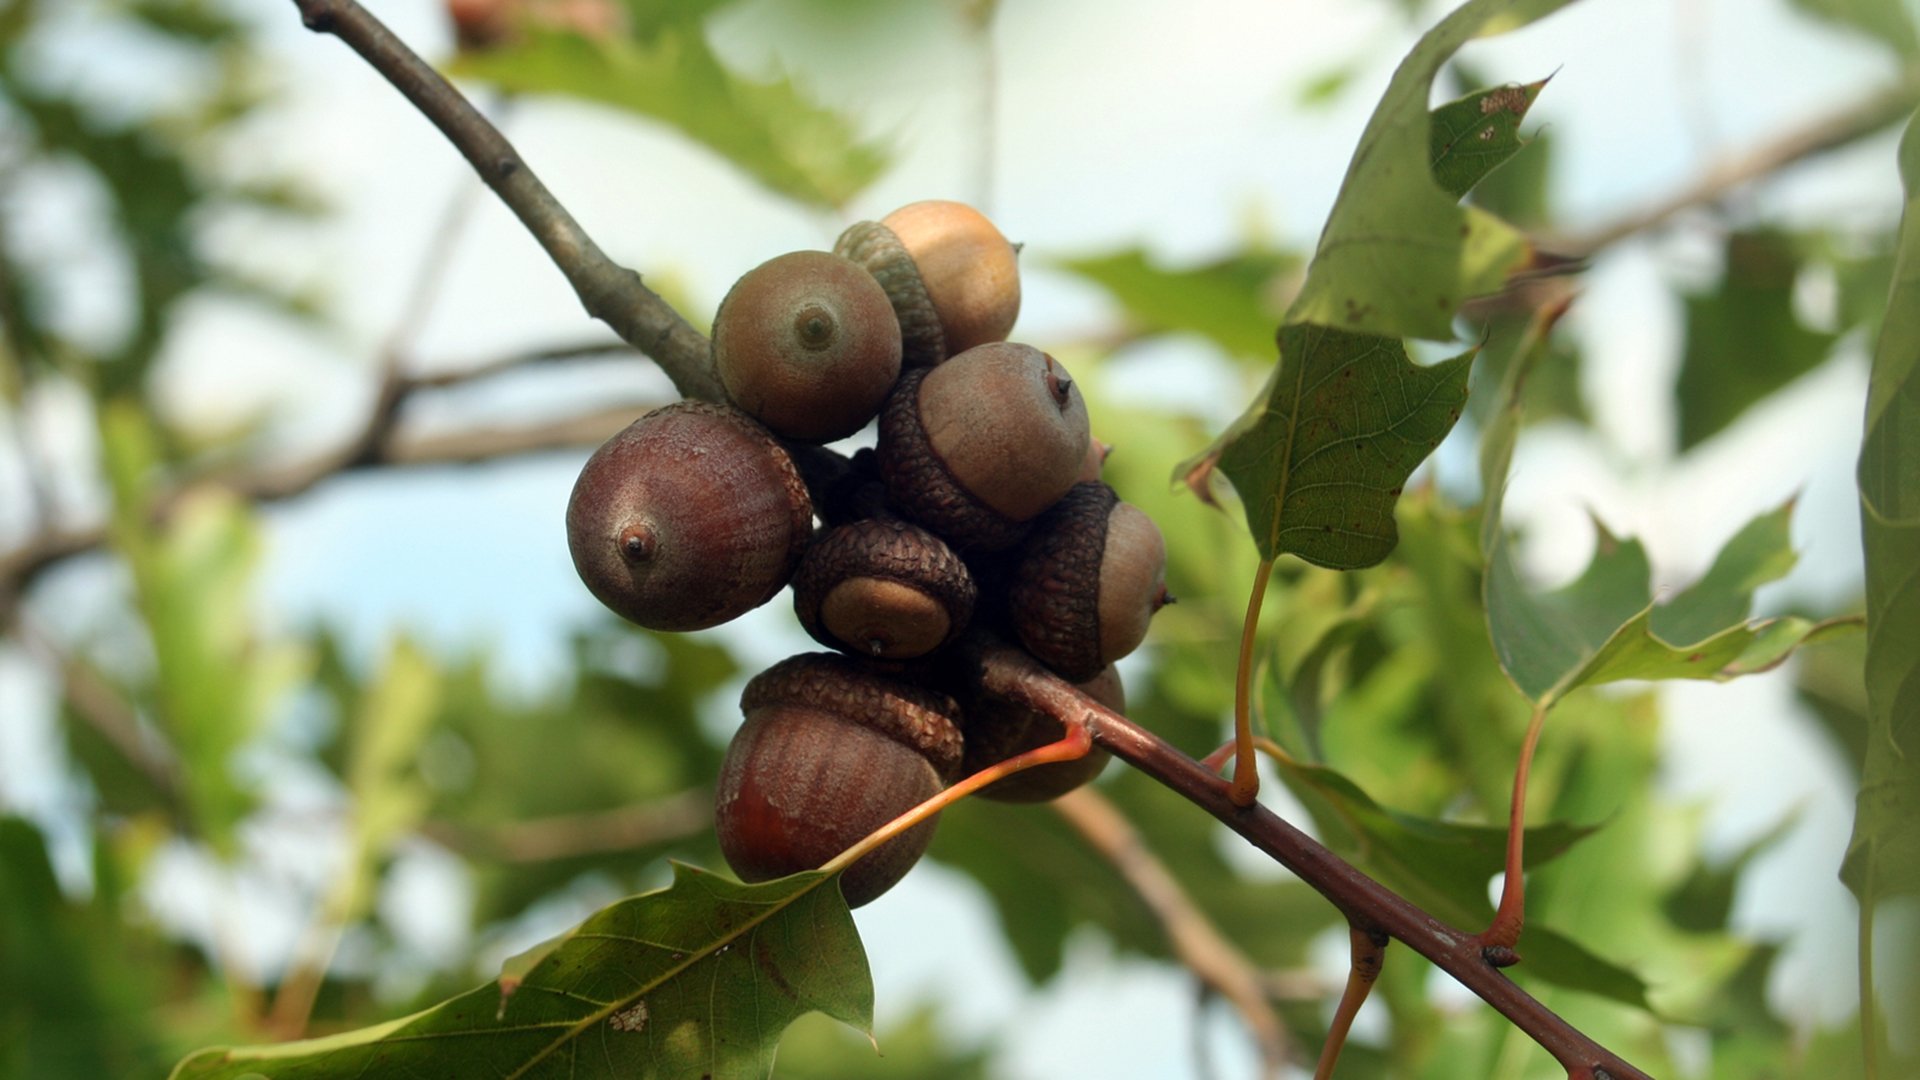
point(697, 979)
point(1743, 340)
point(1321, 457)
point(1445, 866)
point(1605, 626)
point(1398, 254)
point(770, 130)
point(1233, 302)
point(1883, 858)
point(1476, 134)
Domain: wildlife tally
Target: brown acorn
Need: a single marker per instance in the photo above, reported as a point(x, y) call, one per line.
point(995, 729)
point(979, 446)
point(1087, 582)
point(831, 751)
point(807, 343)
point(689, 517)
point(884, 588)
point(953, 278)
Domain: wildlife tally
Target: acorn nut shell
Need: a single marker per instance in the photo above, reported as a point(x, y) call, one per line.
point(977, 447)
point(690, 516)
point(808, 344)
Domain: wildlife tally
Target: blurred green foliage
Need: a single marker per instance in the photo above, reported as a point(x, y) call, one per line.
point(1388, 687)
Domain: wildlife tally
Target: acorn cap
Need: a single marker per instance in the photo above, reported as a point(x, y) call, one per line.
point(1088, 582)
point(970, 271)
point(882, 587)
point(807, 342)
point(996, 729)
point(982, 444)
point(922, 341)
point(690, 516)
point(915, 717)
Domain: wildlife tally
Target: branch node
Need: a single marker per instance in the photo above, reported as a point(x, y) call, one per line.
point(1500, 956)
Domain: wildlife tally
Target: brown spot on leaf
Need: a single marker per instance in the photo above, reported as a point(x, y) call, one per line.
point(1511, 99)
point(630, 1019)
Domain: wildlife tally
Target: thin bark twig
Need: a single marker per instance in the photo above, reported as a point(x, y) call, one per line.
point(610, 292)
point(1877, 111)
point(1215, 962)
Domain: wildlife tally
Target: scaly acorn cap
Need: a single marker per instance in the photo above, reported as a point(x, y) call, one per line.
point(954, 279)
point(914, 716)
point(996, 729)
point(1088, 582)
point(882, 587)
point(690, 516)
point(808, 344)
point(874, 246)
point(977, 447)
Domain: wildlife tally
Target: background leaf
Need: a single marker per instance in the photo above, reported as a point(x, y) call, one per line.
point(1887, 20)
point(1743, 339)
point(1233, 302)
point(770, 130)
point(700, 978)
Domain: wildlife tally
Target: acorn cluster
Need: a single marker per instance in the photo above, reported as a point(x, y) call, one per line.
point(980, 506)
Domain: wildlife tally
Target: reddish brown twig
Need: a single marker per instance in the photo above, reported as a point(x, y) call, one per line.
point(1009, 673)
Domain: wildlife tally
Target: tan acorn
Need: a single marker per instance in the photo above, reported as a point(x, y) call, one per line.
point(978, 447)
point(884, 588)
point(689, 517)
point(807, 343)
point(831, 751)
point(995, 729)
point(953, 278)
point(1088, 582)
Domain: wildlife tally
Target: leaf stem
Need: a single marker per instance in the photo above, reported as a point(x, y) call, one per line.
point(1869, 1031)
point(1072, 746)
point(1369, 954)
point(1504, 932)
point(1246, 778)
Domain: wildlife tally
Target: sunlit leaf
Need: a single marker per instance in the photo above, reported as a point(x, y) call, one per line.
point(1743, 339)
point(1398, 255)
point(1323, 454)
point(1883, 858)
point(700, 978)
point(771, 130)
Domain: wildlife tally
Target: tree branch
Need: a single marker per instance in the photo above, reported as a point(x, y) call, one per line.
point(1849, 124)
point(567, 836)
point(611, 293)
point(1213, 959)
point(1009, 673)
